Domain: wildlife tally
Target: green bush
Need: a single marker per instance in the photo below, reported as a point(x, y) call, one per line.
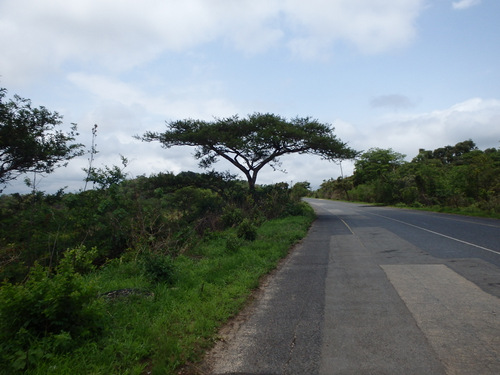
point(81, 259)
point(247, 230)
point(50, 312)
point(159, 268)
point(296, 209)
point(233, 243)
point(231, 216)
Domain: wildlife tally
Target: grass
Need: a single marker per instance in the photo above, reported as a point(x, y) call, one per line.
point(472, 210)
point(159, 332)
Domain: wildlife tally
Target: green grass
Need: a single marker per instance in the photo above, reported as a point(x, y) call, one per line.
point(175, 325)
point(472, 210)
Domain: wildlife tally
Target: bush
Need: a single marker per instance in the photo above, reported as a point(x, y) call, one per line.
point(247, 230)
point(159, 268)
point(233, 243)
point(49, 312)
point(231, 216)
point(296, 208)
point(81, 259)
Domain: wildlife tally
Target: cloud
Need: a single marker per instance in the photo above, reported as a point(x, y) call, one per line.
point(118, 35)
point(464, 4)
point(475, 119)
point(199, 101)
point(394, 101)
point(371, 26)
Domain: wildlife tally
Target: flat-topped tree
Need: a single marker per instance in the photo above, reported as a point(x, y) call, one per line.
point(251, 143)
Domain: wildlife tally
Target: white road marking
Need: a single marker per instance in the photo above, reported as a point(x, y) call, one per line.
point(439, 234)
point(348, 227)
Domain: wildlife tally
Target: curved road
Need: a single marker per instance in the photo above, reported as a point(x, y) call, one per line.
point(375, 290)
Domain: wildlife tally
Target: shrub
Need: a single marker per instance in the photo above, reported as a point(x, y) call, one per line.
point(296, 208)
point(233, 243)
point(231, 216)
point(49, 312)
point(81, 259)
point(247, 230)
point(159, 268)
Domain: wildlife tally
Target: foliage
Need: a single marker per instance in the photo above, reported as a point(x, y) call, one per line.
point(171, 326)
point(165, 214)
point(79, 259)
point(49, 313)
point(458, 177)
point(376, 164)
point(233, 243)
point(159, 268)
point(247, 230)
point(300, 189)
point(335, 188)
point(106, 177)
point(29, 139)
point(231, 216)
point(254, 142)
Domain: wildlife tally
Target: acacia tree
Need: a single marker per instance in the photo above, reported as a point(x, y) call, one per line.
point(29, 141)
point(254, 142)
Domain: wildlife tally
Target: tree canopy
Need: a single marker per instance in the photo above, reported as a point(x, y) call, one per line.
point(29, 141)
point(447, 154)
point(456, 176)
point(375, 163)
point(251, 143)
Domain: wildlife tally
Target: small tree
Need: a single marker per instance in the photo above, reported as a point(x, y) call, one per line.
point(251, 143)
point(29, 141)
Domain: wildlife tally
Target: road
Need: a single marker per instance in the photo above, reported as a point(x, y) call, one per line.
point(374, 290)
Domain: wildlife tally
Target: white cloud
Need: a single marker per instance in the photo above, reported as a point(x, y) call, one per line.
point(464, 4)
point(38, 37)
point(475, 119)
point(196, 102)
point(111, 33)
point(371, 25)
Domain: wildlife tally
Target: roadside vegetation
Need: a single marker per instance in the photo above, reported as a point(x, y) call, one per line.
point(456, 179)
point(134, 276)
point(138, 275)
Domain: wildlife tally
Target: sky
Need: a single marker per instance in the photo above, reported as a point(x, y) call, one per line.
point(400, 74)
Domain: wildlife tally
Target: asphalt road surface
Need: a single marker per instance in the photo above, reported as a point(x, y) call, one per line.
point(375, 290)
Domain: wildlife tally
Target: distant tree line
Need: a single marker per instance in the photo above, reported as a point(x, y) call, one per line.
point(459, 176)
